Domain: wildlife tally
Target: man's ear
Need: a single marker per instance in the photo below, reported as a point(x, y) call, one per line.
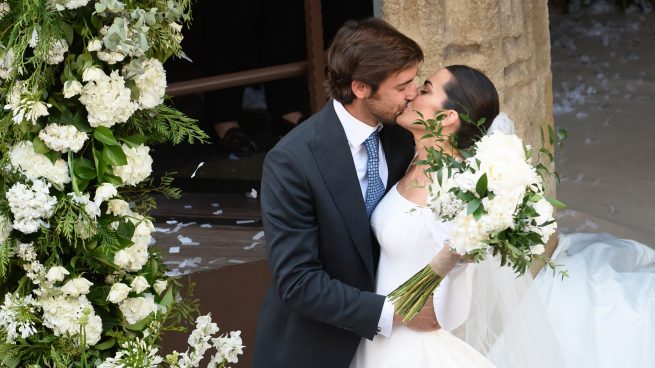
point(360, 89)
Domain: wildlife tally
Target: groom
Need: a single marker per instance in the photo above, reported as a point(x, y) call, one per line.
point(319, 187)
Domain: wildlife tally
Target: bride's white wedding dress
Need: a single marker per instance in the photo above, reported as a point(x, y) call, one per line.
point(409, 237)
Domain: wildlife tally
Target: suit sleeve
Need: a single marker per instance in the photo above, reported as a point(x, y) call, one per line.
point(292, 237)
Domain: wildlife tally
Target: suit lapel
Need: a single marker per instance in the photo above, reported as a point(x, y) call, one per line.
point(332, 154)
point(398, 151)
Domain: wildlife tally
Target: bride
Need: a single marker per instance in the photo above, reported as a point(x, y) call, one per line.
point(410, 236)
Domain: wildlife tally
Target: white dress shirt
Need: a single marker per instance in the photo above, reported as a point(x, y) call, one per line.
point(357, 132)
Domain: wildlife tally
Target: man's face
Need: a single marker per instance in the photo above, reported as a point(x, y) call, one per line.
point(393, 95)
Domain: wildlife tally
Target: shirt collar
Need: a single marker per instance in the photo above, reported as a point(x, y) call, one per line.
point(356, 130)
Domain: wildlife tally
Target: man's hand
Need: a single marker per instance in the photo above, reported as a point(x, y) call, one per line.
point(424, 321)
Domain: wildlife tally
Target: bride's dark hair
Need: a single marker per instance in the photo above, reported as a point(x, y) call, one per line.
point(470, 92)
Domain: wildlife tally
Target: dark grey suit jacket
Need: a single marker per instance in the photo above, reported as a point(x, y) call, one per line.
point(320, 247)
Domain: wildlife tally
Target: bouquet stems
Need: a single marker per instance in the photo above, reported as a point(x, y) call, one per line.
point(410, 297)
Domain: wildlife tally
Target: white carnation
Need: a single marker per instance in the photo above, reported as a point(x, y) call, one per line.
point(139, 284)
point(57, 51)
point(5, 228)
point(151, 84)
point(136, 309)
point(76, 287)
point(106, 98)
point(118, 293)
point(57, 273)
point(34, 165)
point(62, 138)
point(30, 205)
point(72, 88)
point(139, 165)
point(104, 192)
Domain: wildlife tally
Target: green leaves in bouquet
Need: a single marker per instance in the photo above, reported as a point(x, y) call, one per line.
point(164, 124)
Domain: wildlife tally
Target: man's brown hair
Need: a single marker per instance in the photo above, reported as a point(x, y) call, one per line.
point(369, 51)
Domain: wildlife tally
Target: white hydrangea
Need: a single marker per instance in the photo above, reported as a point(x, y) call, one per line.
point(118, 293)
point(34, 165)
point(7, 64)
point(62, 5)
point(136, 309)
point(24, 106)
point(135, 256)
point(106, 98)
point(5, 228)
point(139, 284)
point(139, 165)
point(66, 316)
point(56, 52)
point(30, 205)
point(56, 274)
point(62, 138)
point(104, 192)
point(16, 318)
point(74, 4)
point(72, 88)
point(151, 84)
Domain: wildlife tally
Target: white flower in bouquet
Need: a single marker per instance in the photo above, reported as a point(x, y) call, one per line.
point(148, 356)
point(62, 5)
point(4, 9)
point(72, 88)
point(104, 192)
point(106, 98)
point(545, 211)
point(90, 207)
point(34, 165)
point(56, 273)
point(139, 165)
point(537, 249)
point(26, 252)
point(16, 318)
point(66, 316)
point(160, 286)
point(34, 40)
point(118, 207)
point(94, 45)
point(151, 84)
point(228, 347)
point(7, 64)
point(24, 106)
point(30, 205)
point(76, 287)
point(56, 52)
point(5, 228)
point(136, 309)
point(118, 292)
point(135, 256)
point(500, 213)
point(139, 284)
point(62, 138)
point(468, 234)
point(110, 57)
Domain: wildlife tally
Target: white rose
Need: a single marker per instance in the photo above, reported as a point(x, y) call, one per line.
point(76, 287)
point(72, 88)
point(118, 207)
point(139, 284)
point(104, 192)
point(160, 286)
point(151, 84)
point(56, 274)
point(118, 293)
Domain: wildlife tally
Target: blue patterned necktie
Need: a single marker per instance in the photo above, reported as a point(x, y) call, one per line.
point(375, 189)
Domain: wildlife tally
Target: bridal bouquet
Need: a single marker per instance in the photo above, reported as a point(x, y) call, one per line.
point(82, 84)
point(496, 201)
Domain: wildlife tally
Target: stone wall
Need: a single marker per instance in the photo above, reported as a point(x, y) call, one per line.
point(506, 39)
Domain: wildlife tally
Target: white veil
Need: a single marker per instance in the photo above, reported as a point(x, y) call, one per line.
point(508, 321)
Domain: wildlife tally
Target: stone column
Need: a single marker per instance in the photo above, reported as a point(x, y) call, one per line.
point(506, 39)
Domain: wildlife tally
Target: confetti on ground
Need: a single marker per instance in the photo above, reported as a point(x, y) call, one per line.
point(171, 222)
point(251, 246)
point(206, 226)
point(188, 206)
point(191, 262)
point(258, 236)
point(244, 222)
point(196, 170)
point(215, 205)
point(185, 240)
point(162, 230)
point(252, 194)
point(217, 212)
point(216, 260)
point(174, 250)
point(236, 261)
